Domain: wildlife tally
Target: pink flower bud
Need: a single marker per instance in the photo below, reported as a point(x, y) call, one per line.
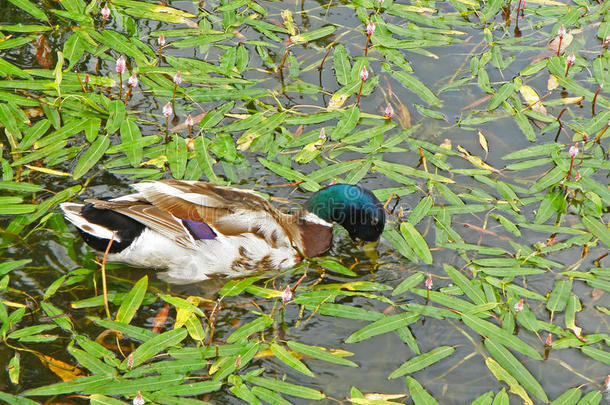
point(561, 32)
point(577, 177)
point(519, 305)
point(133, 80)
point(167, 110)
point(238, 361)
point(364, 74)
point(161, 40)
point(322, 134)
point(606, 41)
point(573, 151)
point(429, 282)
point(138, 400)
point(120, 64)
point(105, 12)
point(370, 28)
point(585, 137)
point(130, 361)
point(287, 295)
point(189, 121)
point(87, 78)
point(332, 182)
point(389, 112)
point(178, 78)
point(571, 59)
point(549, 340)
point(607, 384)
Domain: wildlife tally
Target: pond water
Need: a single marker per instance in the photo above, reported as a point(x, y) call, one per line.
point(445, 43)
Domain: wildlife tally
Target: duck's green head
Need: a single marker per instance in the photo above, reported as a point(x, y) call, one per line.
point(353, 207)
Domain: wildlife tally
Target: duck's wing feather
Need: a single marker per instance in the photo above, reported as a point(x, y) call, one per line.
point(163, 205)
point(152, 217)
point(229, 210)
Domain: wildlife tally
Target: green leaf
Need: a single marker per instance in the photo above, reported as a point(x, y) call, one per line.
point(342, 65)
point(155, 345)
point(422, 361)
point(414, 84)
point(80, 384)
point(597, 354)
point(286, 388)
point(559, 296)
point(116, 111)
point(130, 139)
point(515, 368)
point(90, 362)
point(249, 328)
point(177, 155)
point(570, 397)
point(313, 35)
point(290, 360)
point(500, 336)
point(383, 325)
point(501, 95)
point(503, 375)
point(93, 154)
point(598, 229)
point(474, 292)
point(30, 8)
point(336, 267)
point(408, 283)
point(419, 394)
point(132, 301)
point(416, 242)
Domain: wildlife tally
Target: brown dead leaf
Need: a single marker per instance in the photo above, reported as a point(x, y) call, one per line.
point(597, 294)
point(567, 40)
point(299, 131)
point(34, 112)
point(404, 117)
point(182, 125)
point(160, 318)
point(477, 102)
point(43, 51)
point(65, 371)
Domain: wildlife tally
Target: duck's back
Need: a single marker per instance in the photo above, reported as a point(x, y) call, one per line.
point(194, 229)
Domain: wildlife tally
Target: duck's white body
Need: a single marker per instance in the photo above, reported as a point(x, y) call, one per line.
point(195, 230)
point(206, 257)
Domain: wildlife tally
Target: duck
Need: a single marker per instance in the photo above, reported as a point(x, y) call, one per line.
point(196, 230)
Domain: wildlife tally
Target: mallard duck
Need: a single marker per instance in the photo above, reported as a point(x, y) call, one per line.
point(196, 229)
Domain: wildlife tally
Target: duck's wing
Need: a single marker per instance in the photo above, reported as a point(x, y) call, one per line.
point(150, 216)
point(184, 210)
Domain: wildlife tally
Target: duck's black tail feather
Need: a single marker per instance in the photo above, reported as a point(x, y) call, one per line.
point(98, 226)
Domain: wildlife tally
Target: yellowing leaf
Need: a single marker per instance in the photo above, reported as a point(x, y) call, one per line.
point(552, 82)
point(336, 101)
point(476, 161)
point(483, 143)
point(382, 397)
point(572, 100)
point(158, 162)
point(47, 171)
point(532, 99)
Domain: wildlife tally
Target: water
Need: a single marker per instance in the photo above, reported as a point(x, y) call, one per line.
point(455, 380)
